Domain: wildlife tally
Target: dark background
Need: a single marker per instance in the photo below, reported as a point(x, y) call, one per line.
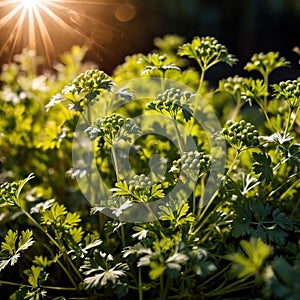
point(244, 26)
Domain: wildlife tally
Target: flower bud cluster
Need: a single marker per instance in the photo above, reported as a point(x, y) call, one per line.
point(92, 81)
point(171, 100)
point(141, 181)
point(241, 134)
point(193, 164)
point(209, 46)
point(265, 63)
point(108, 127)
point(8, 192)
point(289, 91)
point(232, 85)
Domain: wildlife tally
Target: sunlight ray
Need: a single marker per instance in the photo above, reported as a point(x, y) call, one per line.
point(40, 24)
point(46, 39)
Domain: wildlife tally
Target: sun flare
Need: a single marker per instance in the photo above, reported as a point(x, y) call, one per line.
point(30, 3)
point(52, 26)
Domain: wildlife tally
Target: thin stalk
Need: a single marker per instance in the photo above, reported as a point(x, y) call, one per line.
point(202, 182)
point(234, 287)
point(201, 77)
point(236, 110)
point(123, 236)
point(68, 274)
point(266, 80)
point(58, 246)
point(178, 136)
point(194, 202)
point(262, 107)
point(114, 158)
point(67, 258)
point(204, 211)
point(161, 284)
point(163, 81)
point(282, 185)
point(166, 289)
point(287, 126)
point(140, 286)
point(215, 195)
point(214, 277)
point(237, 154)
point(57, 288)
point(294, 119)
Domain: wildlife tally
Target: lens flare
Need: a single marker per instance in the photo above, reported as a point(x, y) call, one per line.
point(50, 27)
point(30, 3)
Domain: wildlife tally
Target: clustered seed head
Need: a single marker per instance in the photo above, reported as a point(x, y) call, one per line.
point(209, 46)
point(109, 126)
point(92, 81)
point(289, 90)
point(141, 181)
point(232, 85)
point(8, 192)
point(241, 134)
point(193, 163)
point(170, 99)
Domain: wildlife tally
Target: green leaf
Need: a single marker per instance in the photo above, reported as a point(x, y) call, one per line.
point(157, 270)
point(13, 245)
point(71, 220)
point(54, 214)
point(261, 221)
point(101, 271)
point(250, 264)
point(262, 166)
point(25, 240)
point(283, 280)
point(35, 275)
point(10, 192)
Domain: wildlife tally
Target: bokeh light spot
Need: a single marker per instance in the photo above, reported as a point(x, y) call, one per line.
point(125, 12)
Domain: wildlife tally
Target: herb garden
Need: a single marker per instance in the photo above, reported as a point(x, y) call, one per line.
point(207, 206)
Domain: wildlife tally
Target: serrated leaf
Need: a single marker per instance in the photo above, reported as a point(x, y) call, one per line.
point(13, 245)
point(187, 112)
point(54, 214)
point(25, 240)
point(262, 166)
point(71, 220)
point(256, 253)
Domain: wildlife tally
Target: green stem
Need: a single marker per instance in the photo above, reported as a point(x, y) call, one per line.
point(282, 185)
point(294, 119)
point(238, 152)
point(201, 201)
point(178, 136)
point(211, 200)
point(166, 289)
point(114, 158)
point(68, 274)
point(66, 256)
point(59, 247)
point(163, 81)
point(58, 288)
point(161, 284)
point(266, 80)
point(201, 77)
point(123, 236)
point(287, 126)
point(140, 286)
point(236, 110)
